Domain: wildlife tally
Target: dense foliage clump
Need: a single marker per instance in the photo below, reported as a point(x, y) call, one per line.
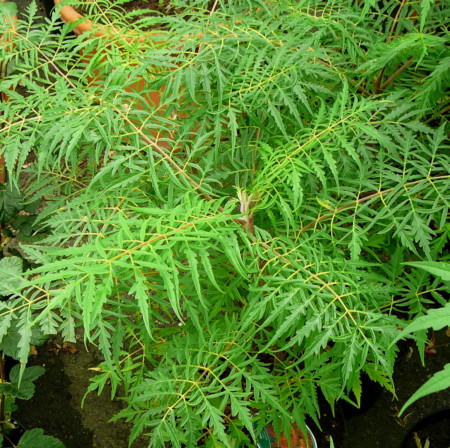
point(229, 201)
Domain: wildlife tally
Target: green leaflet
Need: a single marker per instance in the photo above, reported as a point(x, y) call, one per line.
point(140, 291)
point(439, 381)
point(208, 268)
point(10, 201)
point(277, 116)
point(425, 7)
point(11, 278)
point(193, 263)
point(435, 318)
point(437, 268)
point(233, 252)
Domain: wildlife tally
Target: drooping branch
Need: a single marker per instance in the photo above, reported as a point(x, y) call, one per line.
point(395, 21)
point(155, 147)
point(378, 194)
point(377, 85)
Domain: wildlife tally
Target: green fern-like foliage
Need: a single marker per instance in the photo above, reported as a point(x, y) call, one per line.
point(236, 244)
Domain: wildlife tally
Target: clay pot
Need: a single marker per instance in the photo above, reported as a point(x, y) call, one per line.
point(268, 439)
point(111, 34)
point(71, 15)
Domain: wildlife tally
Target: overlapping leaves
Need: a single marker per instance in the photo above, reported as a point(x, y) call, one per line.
point(237, 244)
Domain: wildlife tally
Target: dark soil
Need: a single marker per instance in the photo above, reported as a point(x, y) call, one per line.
point(52, 408)
point(56, 405)
point(381, 427)
point(331, 427)
point(435, 429)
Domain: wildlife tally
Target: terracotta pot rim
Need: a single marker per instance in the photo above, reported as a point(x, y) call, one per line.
point(70, 15)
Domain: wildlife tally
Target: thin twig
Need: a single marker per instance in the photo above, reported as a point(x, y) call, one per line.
point(50, 61)
point(316, 277)
point(156, 238)
point(394, 75)
point(395, 22)
point(350, 80)
point(444, 110)
point(214, 7)
point(377, 82)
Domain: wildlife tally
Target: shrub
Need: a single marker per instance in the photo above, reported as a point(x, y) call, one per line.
point(237, 246)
